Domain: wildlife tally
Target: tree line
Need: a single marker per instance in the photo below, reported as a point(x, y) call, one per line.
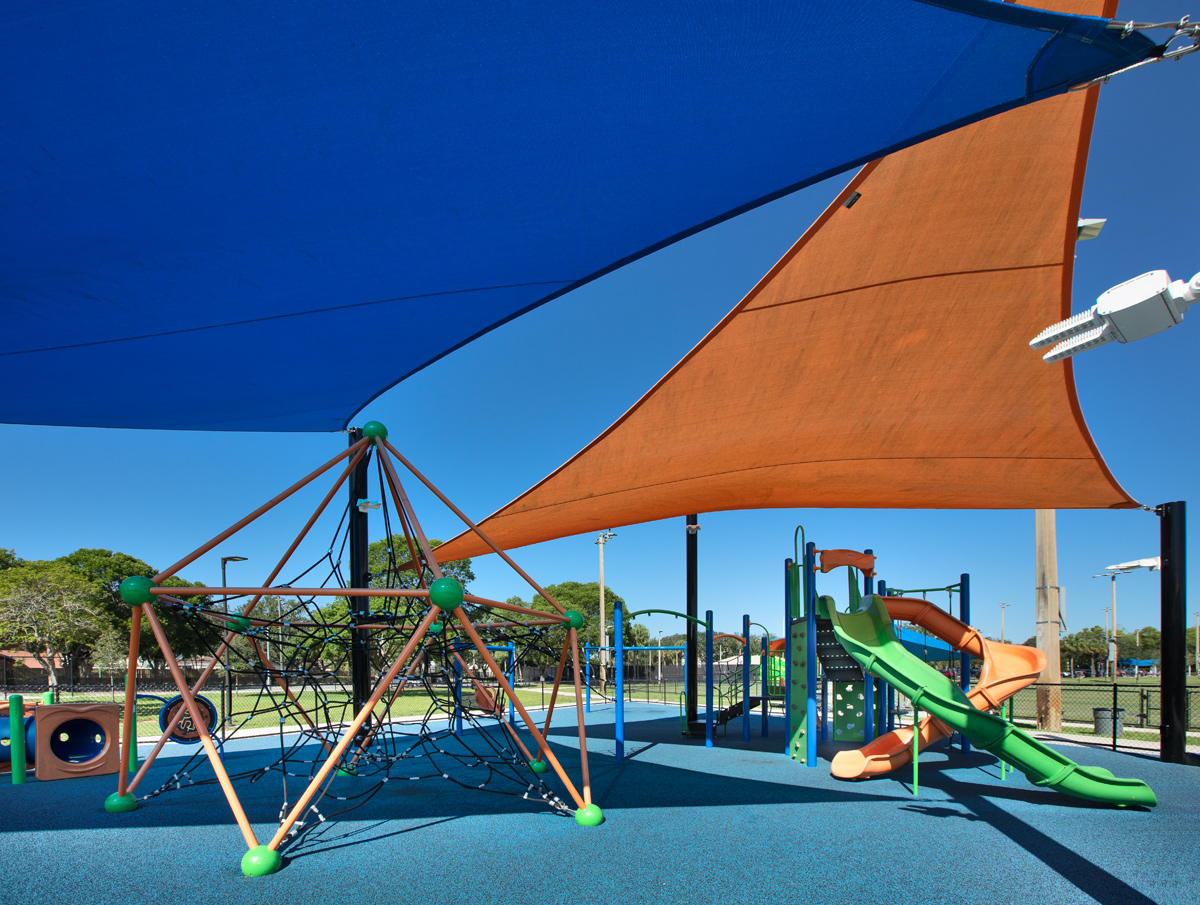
point(1090, 646)
point(69, 610)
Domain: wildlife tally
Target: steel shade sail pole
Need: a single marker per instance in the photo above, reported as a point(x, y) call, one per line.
point(1173, 538)
point(693, 612)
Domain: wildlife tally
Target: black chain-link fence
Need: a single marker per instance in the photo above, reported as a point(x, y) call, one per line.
point(1122, 715)
point(250, 706)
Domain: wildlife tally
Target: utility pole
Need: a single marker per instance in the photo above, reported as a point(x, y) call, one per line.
point(604, 538)
point(1112, 643)
point(1107, 638)
point(1049, 693)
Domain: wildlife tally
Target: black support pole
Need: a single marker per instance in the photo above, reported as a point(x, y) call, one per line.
point(360, 654)
point(693, 610)
point(1173, 539)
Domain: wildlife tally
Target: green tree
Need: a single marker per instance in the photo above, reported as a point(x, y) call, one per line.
point(9, 558)
point(104, 571)
point(1085, 646)
point(1140, 644)
point(48, 609)
point(583, 597)
point(110, 650)
point(383, 556)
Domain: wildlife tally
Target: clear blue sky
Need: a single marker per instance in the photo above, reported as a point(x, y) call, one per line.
point(558, 376)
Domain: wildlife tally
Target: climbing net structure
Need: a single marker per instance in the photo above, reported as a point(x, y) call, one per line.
point(392, 674)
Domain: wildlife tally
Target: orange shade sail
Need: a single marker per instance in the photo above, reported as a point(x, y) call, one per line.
point(882, 363)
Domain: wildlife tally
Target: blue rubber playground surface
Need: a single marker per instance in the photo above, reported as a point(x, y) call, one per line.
point(737, 822)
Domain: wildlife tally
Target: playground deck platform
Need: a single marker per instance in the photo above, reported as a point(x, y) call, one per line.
point(684, 824)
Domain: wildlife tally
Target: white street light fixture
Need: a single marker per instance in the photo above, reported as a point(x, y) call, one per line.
point(1003, 607)
point(1133, 310)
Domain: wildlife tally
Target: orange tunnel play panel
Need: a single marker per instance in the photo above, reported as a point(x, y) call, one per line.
point(76, 740)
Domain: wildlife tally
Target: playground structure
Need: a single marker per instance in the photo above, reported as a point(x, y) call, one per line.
point(861, 645)
point(717, 712)
point(60, 741)
point(420, 637)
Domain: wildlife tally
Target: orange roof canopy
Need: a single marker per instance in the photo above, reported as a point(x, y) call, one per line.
point(882, 363)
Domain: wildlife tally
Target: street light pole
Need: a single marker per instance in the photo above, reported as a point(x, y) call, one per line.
point(1003, 607)
point(1107, 639)
point(226, 691)
point(1152, 563)
point(601, 540)
point(660, 657)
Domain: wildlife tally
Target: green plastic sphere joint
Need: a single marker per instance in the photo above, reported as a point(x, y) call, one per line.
point(135, 590)
point(436, 628)
point(237, 624)
point(574, 619)
point(589, 816)
point(446, 593)
point(261, 861)
point(373, 430)
point(538, 766)
point(120, 804)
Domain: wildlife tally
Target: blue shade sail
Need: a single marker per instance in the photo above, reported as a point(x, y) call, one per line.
point(260, 216)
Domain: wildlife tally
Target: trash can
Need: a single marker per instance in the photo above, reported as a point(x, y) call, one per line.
point(1102, 720)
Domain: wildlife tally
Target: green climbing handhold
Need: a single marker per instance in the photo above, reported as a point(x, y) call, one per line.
point(135, 590)
point(446, 593)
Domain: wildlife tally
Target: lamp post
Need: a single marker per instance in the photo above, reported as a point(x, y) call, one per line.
point(226, 691)
point(601, 540)
point(660, 657)
point(1153, 563)
point(1003, 607)
point(1196, 640)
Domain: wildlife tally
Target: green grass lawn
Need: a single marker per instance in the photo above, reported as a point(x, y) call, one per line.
point(255, 711)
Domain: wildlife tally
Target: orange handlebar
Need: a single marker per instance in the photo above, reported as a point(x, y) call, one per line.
point(831, 559)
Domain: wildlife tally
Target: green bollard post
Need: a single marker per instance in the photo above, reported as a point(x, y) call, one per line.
point(1004, 767)
point(916, 747)
point(16, 732)
point(133, 755)
point(48, 697)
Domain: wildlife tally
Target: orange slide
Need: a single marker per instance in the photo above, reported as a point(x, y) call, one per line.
point(1007, 668)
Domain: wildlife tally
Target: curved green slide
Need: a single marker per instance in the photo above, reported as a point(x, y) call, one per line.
point(869, 637)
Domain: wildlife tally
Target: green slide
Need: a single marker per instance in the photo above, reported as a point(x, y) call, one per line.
point(869, 637)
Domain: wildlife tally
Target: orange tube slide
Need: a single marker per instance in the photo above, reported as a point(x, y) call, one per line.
point(1007, 668)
